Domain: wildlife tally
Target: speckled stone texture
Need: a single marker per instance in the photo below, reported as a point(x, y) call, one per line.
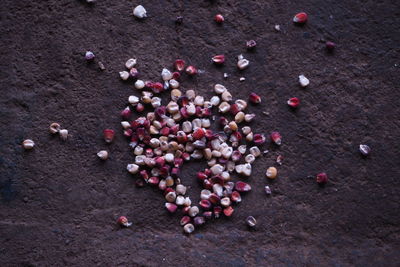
point(59, 203)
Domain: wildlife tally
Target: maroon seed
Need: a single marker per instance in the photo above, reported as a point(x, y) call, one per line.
point(179, 65)
point(254, 98)
point(171, 207)
point(191, 70)
point(108, 135)
point(322, 178)
point(218, 59)
point(242, 186)
point(185, 220)
point(276, 138)
point(219, 18)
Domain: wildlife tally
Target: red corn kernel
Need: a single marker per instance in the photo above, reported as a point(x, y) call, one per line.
point(123, 221)
point(205, 112)
point(234, 109)
point(219, 18)
point(293, 102)
point(171, 207)
point(228, 211)
point(217, 211)
point(178, 162)
point(179, 65)
point(201, 176)
point(185, 220)
point(160, 162)
point(217, 179)
point(175, 172)
point(168, 190)
point(153, 180)
point(207, 184)
point(165, 131)
point(186, 156)
point(236, 136)
point(300, 18)
point(205, 204)
point(276, 138)
point(214, 199)
point(174, 129)
point(185, 210)
point(242, 186)
point(108, 135)
point(209, 134)
point(126, 113)
point(218, 59)
point(259, 139)
point(235, 197)
point(191, 70)
point(322, 178)
point(144, 175)
point(134, 73)
point(164, 171)
point(254, 98)
point(128, 133)
point(176, 75)
point(207, 172)
point(198, 134)
point(139, 107)
point(157, 87)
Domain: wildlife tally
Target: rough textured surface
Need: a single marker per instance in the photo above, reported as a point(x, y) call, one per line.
point(59, 203)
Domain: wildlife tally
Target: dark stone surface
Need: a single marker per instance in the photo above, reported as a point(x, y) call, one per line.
point(59, 203)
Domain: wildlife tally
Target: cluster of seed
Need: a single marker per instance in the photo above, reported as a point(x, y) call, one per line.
point(175, 133)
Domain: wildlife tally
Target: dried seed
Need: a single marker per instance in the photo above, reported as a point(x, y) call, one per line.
point(133, 100)
point(254, 98)
point(54, 128)
point(251, 221)
point(258, 139)
point(224, 107)
point(267, 190)
point(236, 197)
point(276, 138)
point(219, 18)
point(193, 211)
point(242, 186)
point(249, 117)
point(188, 228)
point(28, 144)
point(123, 221)
point(219, 89)
point(228, 211)
point(166, 74)
point(103, 154)
point(277, 28)
point(139, 12)
point(218, 59)
point(63, 134)
point(242, 62)
point(322, 178)
point(279, 159)
point(251, 44)
point(89, 55)
point(171, 196)
point(130, 63)
point(179, 65)
point(293, 102)
point(242, 149)
point(255, 151)
point(300, 18)
point(365, 150)
point(250, 158)
point(304, 82)
point(191, 70)
point(330, 46)
point(171, 207)
point(217, 169)
point(239, 117)
point(199, 220)
point(108, 135)
point(271, 173)
point(124, 75)
point(185, 220)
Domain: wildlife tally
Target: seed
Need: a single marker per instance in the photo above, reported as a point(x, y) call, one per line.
point(205, 123)
point(217, 212)
point(254, 98)
point(199, 100)
point(242, 186)
point(103, 154)
point(205, 194)
point(179, 65)
point(226, 75)
point(89, 55)
point(133, 100)
point(249, 117)
point(153, 180)
point(191, 70)
point(251, 44)
point(217, 169)
point(251, 221)
point(188, 228)
point(171, 196)
point(219, 89)
point(322, 178)
point(205, 204)
point(242, 149)
point(139, 12)
point(63, 134)
point(228, 211)
point(199, 220)
point(28, 144)
point(255, 151)
point(171, 207)
point(225, 202)
point(175, 94)
point(224, 107)
point(250, 137)
point(365, 150)
point(239, 117)
point(219, 18)
point(218, 59)
point(330, 46)
point(304, 82)
point(207, 215)
point(188, 202)
point(279, 159)
point(156, 102)
point(259, 139)
point(267, 190)
point(193, 211)
point(108, 135)
point(276, 138)
point(185, 220)
point(123, 221)
point(277, 28)
point(174, 83)
point(242, 62)
point(235, 197)
point(132, 168)
point(124, 75)
point(233, 126)
point(271, 173)
point(293, 102)
point(250, 158)
point(130, 63)
point(166, 74)
point(300, 18)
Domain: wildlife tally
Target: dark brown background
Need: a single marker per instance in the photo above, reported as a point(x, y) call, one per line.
point(59, 203)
